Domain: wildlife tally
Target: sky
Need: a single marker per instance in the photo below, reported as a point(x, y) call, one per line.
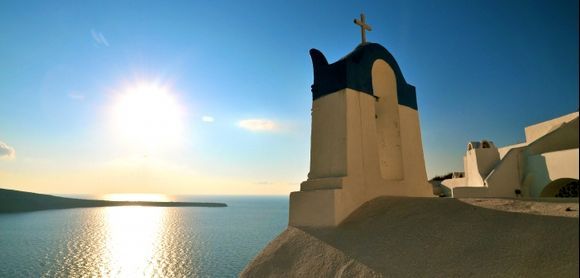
point(213, 97)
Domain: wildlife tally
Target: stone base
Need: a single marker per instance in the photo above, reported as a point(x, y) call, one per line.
point(327, 202)
point(314, 208)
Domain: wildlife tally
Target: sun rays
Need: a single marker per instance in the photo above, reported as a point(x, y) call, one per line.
point(147, 117)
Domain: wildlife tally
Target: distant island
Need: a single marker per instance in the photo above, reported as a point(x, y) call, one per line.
point(21, 201)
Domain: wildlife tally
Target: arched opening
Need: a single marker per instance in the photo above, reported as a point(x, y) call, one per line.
point(485, 145)
point(561, 188)
point(387, 121)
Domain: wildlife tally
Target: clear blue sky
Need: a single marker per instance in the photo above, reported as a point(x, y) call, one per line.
point(483, 69)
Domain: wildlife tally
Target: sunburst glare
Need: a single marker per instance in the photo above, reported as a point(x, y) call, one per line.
point(147, 117)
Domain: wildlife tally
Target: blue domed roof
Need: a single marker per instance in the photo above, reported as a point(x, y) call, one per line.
point(354, 71)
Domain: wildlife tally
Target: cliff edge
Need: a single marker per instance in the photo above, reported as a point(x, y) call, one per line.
point(432, 237)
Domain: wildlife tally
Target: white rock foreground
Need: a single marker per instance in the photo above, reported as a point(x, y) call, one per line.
point(432, 237)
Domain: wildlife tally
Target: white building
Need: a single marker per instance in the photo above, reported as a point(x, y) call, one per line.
point(546, 165)
point(365, 141)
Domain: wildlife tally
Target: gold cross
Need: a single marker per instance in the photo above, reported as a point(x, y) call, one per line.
point(363, 27)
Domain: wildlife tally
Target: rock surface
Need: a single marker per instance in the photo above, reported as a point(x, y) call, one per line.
point(432, 237)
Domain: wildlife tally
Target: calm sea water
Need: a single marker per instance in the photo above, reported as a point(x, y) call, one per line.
point(140, 241)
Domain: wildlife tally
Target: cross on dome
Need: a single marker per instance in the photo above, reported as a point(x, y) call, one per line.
point(363, 27)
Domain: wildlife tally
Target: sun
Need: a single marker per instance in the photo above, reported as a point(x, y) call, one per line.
point(147, 117)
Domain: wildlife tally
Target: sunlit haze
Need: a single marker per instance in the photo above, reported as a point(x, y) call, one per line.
point(136, 197)
point(147, 117)
point(213, 98)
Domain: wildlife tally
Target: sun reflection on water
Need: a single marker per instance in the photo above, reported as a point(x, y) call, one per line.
point(132, 241)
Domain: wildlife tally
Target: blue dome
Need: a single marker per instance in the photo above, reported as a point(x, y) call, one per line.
point(354, 71)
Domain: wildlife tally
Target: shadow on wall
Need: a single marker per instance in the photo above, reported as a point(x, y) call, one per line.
point(548, 173)
point(561, 188)
point(534, 181)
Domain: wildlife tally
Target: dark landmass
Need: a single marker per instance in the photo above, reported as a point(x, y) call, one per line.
point(21, 201)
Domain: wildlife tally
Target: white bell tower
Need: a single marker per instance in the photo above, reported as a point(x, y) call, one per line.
point(365, 141)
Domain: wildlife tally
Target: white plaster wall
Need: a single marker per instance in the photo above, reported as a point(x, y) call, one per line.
point(562, 164)
point(387, 121)
point(452, 183)
point(484, 170)
point(412, 147)
point(506, 177)
point(536, 176)
point(360, 149)
point(504, 150)
point(547, 167)
point(564, 137)
point(550, 153)
point(328, 137)
point(329, 196)
point(478, 163)
point(362, 154)
point(314, 208)
point(487, 160)
point(472, 176)
point(536, 131)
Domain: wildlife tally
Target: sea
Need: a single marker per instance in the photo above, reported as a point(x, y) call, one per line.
point(135, 241)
